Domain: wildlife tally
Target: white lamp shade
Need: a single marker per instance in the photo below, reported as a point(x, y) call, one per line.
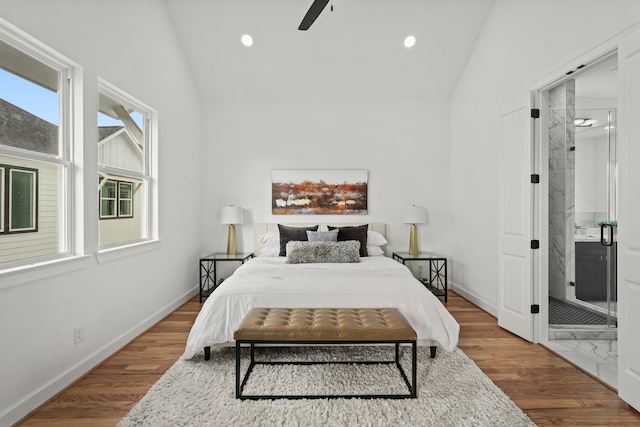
point(415, 215)
point(231, 215)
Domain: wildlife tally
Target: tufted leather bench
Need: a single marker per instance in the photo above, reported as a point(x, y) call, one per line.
point(312, 326)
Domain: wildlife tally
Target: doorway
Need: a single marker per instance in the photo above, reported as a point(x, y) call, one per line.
point(582, 218)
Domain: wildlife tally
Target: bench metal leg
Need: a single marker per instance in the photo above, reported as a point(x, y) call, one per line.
point(237, 369)
point(411, 385)
point(414, 369)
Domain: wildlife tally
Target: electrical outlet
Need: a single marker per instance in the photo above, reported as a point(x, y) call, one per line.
point(78, 334)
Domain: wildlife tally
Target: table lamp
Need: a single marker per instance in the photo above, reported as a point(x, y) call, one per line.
point(231, 215)
point(414, 215)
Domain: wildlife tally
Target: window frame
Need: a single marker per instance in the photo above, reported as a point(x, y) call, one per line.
point(147, 177)
point(121, 199)
point(2, 191)
point(68, 160)
point(102, 198)
point(7, 199)
point(117, 199)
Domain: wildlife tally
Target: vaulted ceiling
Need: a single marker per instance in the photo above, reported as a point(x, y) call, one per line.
point(354, 52)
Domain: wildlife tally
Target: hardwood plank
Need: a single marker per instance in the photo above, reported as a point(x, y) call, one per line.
point(550, 390)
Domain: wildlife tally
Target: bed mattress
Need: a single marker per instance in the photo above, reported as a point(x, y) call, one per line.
point(375, 282)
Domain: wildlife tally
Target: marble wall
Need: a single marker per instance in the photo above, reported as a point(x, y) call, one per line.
point(561, 189)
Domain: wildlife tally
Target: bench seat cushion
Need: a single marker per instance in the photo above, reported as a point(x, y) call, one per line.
point(325, 324)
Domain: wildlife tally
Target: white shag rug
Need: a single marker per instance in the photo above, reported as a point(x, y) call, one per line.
point(452, 391)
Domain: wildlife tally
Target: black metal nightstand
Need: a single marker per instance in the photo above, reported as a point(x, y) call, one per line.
point(208, 271)
point(437, 270)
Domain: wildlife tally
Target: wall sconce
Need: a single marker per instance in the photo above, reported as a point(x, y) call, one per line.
point(414, 215)
point(231, 215)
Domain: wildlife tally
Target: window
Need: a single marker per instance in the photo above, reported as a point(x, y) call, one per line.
point(36, 151)
point(19, 199)
point(125, 202)
point(108, 199)
point(116, 199)
point(2, 198)
point(125, 173)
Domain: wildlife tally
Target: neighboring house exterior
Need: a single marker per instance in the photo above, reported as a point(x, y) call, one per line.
point(33, 230)
point(29, 190)
point(119, 196)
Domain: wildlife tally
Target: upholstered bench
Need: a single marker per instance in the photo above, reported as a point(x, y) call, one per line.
point(319, 326)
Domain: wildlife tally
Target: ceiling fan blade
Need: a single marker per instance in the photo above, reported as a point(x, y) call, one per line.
point(314, 11)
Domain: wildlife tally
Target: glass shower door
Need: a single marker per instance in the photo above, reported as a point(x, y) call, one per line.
point(595, 211)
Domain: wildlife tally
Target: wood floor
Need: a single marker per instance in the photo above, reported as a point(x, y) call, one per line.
point(548, 389)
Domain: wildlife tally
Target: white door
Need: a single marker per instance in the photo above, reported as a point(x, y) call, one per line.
point(515, 281)
point(629, 221)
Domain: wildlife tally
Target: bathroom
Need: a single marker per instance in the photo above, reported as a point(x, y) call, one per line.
point(582, 219)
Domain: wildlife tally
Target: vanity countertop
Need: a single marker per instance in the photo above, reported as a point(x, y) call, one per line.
point(587, 237)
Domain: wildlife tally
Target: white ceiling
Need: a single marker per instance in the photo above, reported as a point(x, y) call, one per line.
point(354, 52)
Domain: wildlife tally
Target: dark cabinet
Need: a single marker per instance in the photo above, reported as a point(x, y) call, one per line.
point(591, 271)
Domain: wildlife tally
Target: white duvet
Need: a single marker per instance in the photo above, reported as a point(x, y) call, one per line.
point(375, 282)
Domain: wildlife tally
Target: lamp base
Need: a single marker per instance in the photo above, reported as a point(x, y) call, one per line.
point(413, 240)
point(231, 240)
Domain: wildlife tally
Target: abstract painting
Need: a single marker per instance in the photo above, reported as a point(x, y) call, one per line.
point(319, 192)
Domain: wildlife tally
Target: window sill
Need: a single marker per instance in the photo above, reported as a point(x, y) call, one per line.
point(19, 275)
point(124, 251)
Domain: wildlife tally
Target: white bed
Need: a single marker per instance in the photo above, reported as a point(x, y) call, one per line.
point(376, 281)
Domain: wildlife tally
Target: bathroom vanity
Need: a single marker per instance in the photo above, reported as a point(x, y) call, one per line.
point(591, 271)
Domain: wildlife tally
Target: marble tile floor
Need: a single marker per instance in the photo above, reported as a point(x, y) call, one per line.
point(598, 357)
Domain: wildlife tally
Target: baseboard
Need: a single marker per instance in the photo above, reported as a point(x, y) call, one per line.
point(474, 298)
point(43, 394)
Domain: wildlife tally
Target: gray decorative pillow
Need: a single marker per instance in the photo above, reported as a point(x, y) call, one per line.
point(322, 236)
point(323, 252)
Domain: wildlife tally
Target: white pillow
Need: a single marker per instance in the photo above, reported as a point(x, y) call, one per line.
point(270, 251)
point(270, 238)
point(374, 251)
point(375, 239)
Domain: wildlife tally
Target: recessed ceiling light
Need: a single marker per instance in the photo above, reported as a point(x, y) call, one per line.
point(584, 123)
point(247, 40)
point(409, 41)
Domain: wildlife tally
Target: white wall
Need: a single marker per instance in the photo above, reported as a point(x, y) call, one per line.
point(521, 44)
point(131, 45)
point(403, 144)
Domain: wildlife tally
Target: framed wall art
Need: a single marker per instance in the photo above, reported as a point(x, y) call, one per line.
point(319, 192)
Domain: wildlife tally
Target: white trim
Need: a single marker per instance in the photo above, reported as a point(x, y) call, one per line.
point(125, 251)
point(130, 138)
point(60, 382)
point(2, 196)
point(541, 285)
point(69, 156)
point(149, 219)
point(34, 199)
point(103, 198)
point(130, 200)
point(474, 298)
point(40, 270)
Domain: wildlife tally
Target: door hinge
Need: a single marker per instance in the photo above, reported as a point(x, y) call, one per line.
point(535, 178)
point(535, 244)
point(535, 113)
point(535, 309)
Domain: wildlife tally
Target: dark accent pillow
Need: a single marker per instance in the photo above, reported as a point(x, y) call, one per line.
point(358, 233)
point(288, 234)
